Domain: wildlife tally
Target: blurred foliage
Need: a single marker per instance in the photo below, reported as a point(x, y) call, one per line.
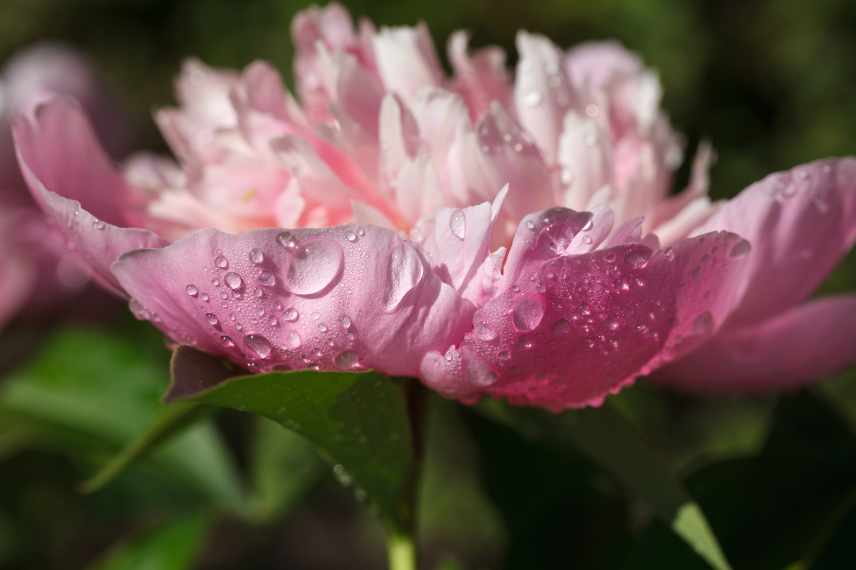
point(768, 82)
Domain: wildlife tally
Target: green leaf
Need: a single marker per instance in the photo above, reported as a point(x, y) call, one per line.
point(359, 422)
point(284, 467)
point(89, 392)
point(172, 546)
point(612, 442)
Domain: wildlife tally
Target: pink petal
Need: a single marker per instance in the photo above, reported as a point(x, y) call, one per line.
point(407, 60)
point(566, 330)
point(64, 166)
point(481, 78)
point(340, 298)
point(799, 224)
point(804, 344)
point(595, 65)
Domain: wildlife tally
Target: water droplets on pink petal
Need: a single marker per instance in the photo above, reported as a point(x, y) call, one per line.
point(314, 267)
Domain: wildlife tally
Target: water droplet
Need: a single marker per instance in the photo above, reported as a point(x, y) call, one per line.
point(192, 290)
point(205, 297)
point(561, 327)
point(212, 319)
point(267, 279)
point(740, 248)
point(322, 327)
point(256, 256)
point(346, 322)
point(458, 224)
point(315, 268)
point(221, 262)
point(637, 258)
point(533, 98)
point(291, 314)
point(287, 240)
point(567, 177)
point(258, 344)
point(99, 225)
point(233, 281)
point(405, 273)
point(484, 332)
point(351, 237)
point(346, 359)
point(293, 340)
point(227, 341)
point(361, 232)
point(527, 314)
point(139, 312)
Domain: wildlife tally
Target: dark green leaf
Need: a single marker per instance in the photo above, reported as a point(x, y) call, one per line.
point(172, 546)
point(359, 422)
point(91, 392)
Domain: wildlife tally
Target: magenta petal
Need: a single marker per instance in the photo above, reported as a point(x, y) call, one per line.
point(803, 345)
point(569, 329)
point(64, 165)
point(350, 297)
point(799, 223)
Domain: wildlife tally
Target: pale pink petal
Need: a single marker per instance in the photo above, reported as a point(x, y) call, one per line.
point(63, 165)
point(585, 157)
point(407, 60)
point(481, 78)
point(542, 92)
point(803, 345)
point(350, 297)
point(594, 65)
point(205, 94)
point(799, 224)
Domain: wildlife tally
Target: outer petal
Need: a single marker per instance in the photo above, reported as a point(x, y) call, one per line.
point(800, 223)
point(800, 346)
point(346, 297)
point(63, 165)
point(566, 330)
point(481, 78)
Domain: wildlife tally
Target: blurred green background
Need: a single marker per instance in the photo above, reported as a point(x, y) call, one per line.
point(770, 83)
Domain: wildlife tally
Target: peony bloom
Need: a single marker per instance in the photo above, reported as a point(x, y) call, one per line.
point(489, 235)
point(32, 269)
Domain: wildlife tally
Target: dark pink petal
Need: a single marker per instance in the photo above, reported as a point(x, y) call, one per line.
point(804, 344)
point(799, 224)
point(349, 297)
point(566, 330)
point(63, 165)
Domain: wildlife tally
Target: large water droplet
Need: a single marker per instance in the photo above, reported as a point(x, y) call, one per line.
point(346, 359)
point(314, 268)
point(527, 314)
point(740, 248)
point(458, 224)
point(233, 281)
point(405, 273)
point(221, 262)
point(258, 344)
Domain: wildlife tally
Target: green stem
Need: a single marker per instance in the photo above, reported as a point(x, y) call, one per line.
point(401, 536)
point(401, 550)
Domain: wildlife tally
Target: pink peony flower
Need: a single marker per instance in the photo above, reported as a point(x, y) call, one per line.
point(32, 269)
point(513, 238)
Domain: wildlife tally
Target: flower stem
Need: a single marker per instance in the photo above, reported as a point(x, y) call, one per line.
point(401, 550)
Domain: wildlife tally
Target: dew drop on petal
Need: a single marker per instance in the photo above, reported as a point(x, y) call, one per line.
point(458, 224)
point(258, 344)
point(233, 281)
point(485, 332)
point(740, 248)
point(227, 341)
point(192, 290)
point(220, 262)
point(346, 359)
point(351, 237)
point(405, 273)
point(315, 268)
point(267, 279)
point(561, 327)
point(287, 240)
point(527, 314)
point(256, 256)
point(293, 340)
point(346, 322)
point(291, 314)
point(212, 319)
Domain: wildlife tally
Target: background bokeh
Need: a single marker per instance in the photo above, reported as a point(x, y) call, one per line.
point(769, 83)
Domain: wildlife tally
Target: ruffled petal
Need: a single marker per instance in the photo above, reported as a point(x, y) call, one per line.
point(800, 346)
point(63, 165)
point(349, 297)
point(799, 223)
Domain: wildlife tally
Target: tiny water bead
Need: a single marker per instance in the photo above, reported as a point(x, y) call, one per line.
point(291, 314)
point(256, 256)
point(458, 224)
point(485, 332)
point(287, 240)
point(740, 248)
point(346, 359)
point(351, 237)
point(267, 279)
point(220, 262)
point(192, 290)
point(259, 345)
point(346, 322)
point(227, 341)
point(212, 319)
